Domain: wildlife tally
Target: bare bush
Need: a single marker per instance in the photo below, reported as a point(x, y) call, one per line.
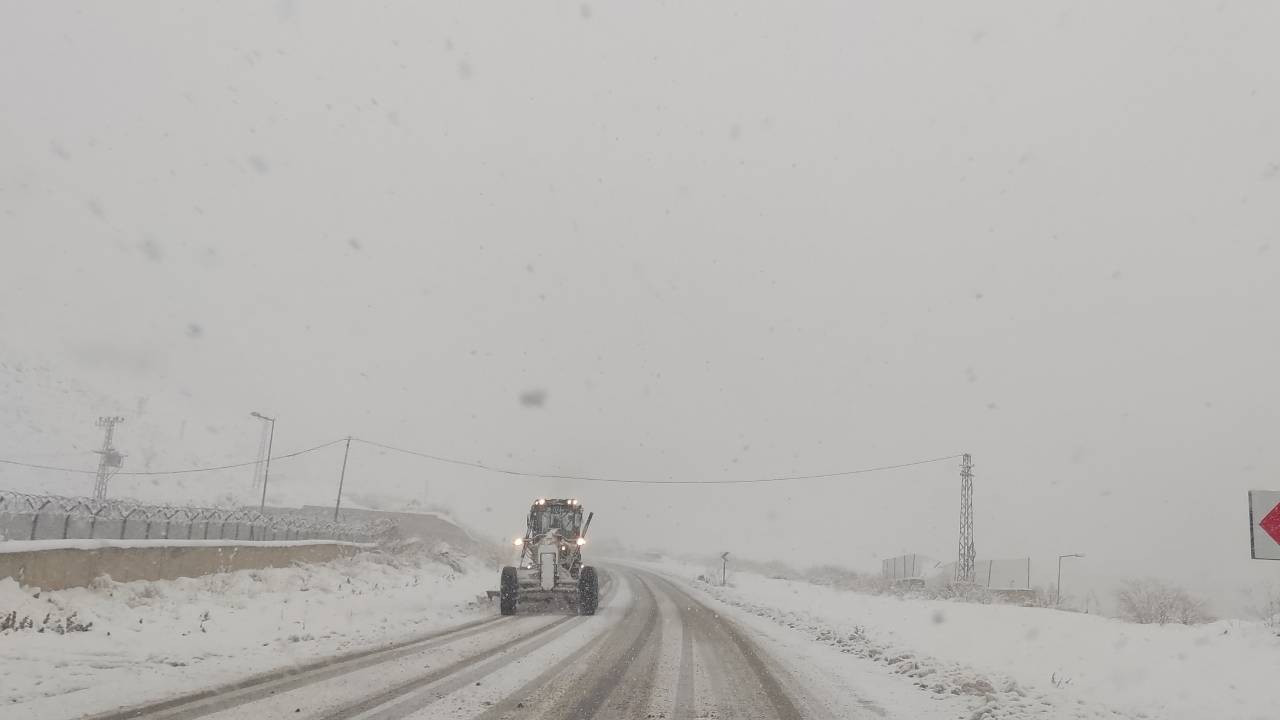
point(842, 578)
point(1266, 607)
point(1043, 597)
point(773, 569)
point(1151, 601)
point(964, 592)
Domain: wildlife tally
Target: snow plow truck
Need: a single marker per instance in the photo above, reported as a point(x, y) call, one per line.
point(550, 570)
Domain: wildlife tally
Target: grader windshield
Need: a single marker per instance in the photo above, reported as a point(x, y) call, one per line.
point(563, 516)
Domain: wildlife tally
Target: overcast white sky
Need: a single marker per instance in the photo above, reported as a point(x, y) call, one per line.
point(727, 239)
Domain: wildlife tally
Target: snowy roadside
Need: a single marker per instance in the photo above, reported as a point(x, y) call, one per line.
point(84, 650)
point(1006, 662)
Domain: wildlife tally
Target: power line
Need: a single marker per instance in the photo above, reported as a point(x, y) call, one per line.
point(632, 481)
point(502, 470)
point(186, 471)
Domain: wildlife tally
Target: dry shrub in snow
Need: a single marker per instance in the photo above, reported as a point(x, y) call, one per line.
point(51, 623)
point(1151, 601)
point(1267, 608)
point(844, 579)
point(964, 592)
point(715, 575)
point(1040, 597)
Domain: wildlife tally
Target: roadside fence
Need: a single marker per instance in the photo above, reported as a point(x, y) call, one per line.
point(54, 517)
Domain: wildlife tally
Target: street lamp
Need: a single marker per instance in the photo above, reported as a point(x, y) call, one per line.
point(266, 473)
point(1057, 600)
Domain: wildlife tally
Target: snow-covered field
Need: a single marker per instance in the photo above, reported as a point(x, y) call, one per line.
point(1015, 662)
point(82, 650)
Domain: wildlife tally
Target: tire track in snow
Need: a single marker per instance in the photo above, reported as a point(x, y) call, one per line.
point(207, 702)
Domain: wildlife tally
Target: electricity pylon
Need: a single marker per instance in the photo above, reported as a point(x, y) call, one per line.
point(964, 566)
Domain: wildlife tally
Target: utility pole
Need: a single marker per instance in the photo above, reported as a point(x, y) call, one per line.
point(109, 458)
point(964, 565)
point(263, 439)
point(341, 479)
point(724, 569)
point(267, 473)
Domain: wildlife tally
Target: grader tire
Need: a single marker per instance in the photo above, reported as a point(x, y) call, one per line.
point(509, 591)
point(588, 591)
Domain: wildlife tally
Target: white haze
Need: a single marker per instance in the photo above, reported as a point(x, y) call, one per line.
point(684, 240)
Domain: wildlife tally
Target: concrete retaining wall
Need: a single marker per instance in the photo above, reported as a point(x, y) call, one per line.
point(59, 568)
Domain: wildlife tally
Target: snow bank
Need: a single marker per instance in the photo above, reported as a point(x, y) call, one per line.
point(146, 640)
point(1029, 662)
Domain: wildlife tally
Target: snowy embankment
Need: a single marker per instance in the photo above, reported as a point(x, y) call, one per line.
point(82, 650)
point(1016, 662)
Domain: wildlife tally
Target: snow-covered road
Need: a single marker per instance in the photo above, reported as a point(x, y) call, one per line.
point(405, 636)
point(652, 650)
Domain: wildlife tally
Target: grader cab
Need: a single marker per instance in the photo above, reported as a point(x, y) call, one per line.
point(550, 569)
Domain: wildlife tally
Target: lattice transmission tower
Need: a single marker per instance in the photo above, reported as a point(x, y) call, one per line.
point(964, 565)
point(109, 459)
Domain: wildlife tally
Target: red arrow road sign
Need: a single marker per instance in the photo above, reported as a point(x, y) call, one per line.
point(1271, 523)
point(1264, 534)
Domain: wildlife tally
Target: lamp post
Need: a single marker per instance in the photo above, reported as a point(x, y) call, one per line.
point(1057, 600)
point(266, 473)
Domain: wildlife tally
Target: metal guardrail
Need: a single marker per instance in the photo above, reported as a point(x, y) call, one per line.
point(54, 517)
